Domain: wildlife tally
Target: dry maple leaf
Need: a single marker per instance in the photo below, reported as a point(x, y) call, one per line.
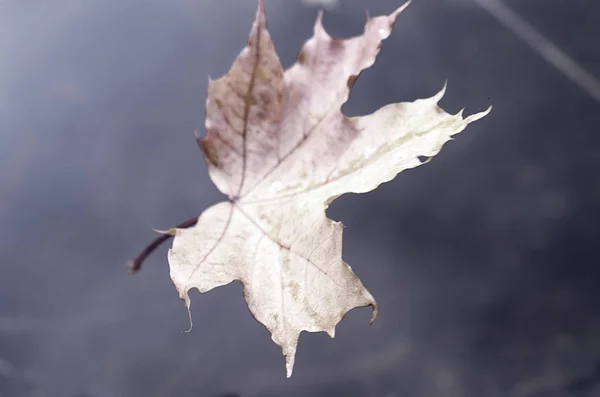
point(279, 147)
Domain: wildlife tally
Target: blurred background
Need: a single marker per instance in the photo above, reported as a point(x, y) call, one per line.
point(485, 262)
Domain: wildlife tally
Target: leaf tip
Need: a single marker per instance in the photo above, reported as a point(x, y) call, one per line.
point(400, 9)
point(289, 365)
point(477, 116)
point(260, 18)
point(288, 348)
point(375, 312)
point(318, 30)
point(487, 111)
point(188, 305)
point(440, 94)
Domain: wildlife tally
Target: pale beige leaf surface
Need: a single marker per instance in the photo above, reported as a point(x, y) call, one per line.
point(279, 147)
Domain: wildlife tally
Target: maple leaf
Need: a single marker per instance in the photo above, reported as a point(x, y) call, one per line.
point(278, 145)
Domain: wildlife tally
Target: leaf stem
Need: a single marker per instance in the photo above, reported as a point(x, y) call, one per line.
point(135, 265)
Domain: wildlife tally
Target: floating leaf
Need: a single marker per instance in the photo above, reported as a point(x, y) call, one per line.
point(279, 147)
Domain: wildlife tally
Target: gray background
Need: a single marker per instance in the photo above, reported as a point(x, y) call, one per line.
point(484, 261)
